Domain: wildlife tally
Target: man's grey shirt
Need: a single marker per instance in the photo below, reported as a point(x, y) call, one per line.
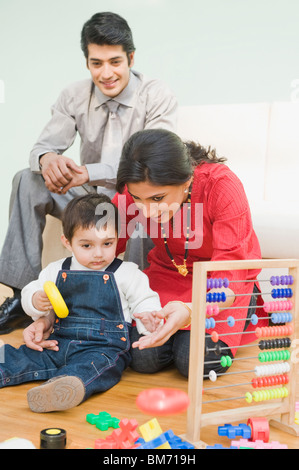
point(144, 104)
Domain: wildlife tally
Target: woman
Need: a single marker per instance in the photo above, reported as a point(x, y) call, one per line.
point(195, 209)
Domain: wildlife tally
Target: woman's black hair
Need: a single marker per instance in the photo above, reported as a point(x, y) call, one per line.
point(160, 157)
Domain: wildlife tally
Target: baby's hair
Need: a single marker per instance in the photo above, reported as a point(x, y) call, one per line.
point(90, 210)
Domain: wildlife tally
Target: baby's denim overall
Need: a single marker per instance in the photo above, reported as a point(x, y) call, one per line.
point(93, 339)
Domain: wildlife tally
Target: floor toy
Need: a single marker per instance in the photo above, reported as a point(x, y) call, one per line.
point(52, 438)
point(153, 435)
point(103, 420)
point(122, 438)
point(162, 401)
point(255, 429)
point(56, 299)
point(245, 444)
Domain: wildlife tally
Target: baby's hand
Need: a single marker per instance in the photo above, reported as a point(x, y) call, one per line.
point(41, 302)
point(149, 320)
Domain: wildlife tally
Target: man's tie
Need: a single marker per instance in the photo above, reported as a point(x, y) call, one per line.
point(111, 148)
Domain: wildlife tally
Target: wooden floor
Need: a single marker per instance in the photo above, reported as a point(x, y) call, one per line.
point(17, 420)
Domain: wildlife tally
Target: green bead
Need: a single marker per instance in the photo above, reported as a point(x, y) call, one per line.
point(223, 361)
point(229, 361)
point(261, 357)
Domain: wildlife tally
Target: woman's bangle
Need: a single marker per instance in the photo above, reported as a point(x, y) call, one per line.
point(189, 310)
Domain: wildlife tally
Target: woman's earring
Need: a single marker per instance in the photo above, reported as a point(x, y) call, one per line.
point(186, 190)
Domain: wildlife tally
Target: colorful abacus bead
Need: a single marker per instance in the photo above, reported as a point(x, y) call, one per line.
point(214, 336)
point(212, 283)
point(270, 356)
point(212, 376)
point(216, 297)
point(218, 349)
point(281, 280)
point(270, 381)
point(275, 343)
point(278, 306)
point(248, 397)
point(254, 319)
point(272, 369)
point(212, 310)
point(279, 293)
point(231, 321)
point(274, 331)
point(226, 361)
point(210, 323)
point(272, 394)
point(283, 317)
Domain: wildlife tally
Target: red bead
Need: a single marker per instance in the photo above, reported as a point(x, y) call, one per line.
point(254, 382)
point(261, 381)
point(214, 336)
point(286, 378)
point(258, 332)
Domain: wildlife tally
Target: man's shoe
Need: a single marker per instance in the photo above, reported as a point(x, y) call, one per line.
point(57, 394)
point(12, 316)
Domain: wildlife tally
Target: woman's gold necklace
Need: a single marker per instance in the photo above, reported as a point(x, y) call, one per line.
point(182, 268)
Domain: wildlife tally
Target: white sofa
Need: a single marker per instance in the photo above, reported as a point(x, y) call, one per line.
point(261, 144)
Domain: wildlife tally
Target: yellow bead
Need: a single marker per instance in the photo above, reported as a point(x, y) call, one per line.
point(248, 397)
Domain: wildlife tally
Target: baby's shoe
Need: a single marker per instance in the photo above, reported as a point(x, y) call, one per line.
point(57, 394)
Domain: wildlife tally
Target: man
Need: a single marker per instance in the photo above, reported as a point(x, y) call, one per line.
point(86, 108)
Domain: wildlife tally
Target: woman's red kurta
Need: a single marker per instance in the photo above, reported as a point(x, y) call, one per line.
point(221, 229)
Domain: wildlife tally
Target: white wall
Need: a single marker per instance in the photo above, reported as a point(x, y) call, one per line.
point(208, 51)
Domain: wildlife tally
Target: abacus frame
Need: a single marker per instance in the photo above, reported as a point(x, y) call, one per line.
point(285, 409)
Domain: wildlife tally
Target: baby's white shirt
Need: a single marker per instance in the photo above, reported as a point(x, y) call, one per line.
point(135, 293)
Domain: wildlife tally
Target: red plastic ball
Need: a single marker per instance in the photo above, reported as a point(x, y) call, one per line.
point(162, 401)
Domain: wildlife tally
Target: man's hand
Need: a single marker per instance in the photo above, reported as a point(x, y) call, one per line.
point(62, 173)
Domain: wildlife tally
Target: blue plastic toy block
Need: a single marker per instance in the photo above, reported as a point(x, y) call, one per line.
point(233, 431)
point(174, 441)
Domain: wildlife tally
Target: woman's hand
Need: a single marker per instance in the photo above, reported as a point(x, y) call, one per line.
point(36, 334)
point(176, 314)
point(150, 320)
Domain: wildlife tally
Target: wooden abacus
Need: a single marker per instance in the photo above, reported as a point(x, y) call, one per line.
point(283, 409)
